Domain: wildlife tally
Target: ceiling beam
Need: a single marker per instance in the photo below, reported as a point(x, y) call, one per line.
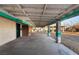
point(72, 7)
point(41, 21)
point(68, 13)
point(17, 14)
point(19, 6)
point(44, 8)
point(11, 8)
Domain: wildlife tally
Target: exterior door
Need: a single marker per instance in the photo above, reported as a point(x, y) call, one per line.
point(25, 30)
point(17, 30)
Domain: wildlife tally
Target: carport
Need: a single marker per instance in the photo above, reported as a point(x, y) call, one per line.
point(39, 15)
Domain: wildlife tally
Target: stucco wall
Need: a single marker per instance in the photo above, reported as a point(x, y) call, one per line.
point(7, 30)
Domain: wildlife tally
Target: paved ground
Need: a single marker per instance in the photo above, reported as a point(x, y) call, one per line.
point(74, 36)
point(71, 37)
point(71, 40)
point(71, 33)
point(36, 44)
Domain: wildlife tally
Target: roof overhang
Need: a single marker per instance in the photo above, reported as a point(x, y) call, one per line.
point(12, 18)
point(66, 16)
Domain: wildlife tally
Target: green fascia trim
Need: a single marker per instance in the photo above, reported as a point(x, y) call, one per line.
point(17, 20)
point(70, 14)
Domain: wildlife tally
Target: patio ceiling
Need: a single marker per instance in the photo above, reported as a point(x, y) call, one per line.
point(39, 14)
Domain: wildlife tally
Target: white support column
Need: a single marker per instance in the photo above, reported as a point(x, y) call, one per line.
point(58, 31)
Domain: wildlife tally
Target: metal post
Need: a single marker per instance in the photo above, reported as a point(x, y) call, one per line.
point(58, 31)
point(48, 30)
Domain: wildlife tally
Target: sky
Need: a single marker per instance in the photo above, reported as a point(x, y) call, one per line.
point(71, 21)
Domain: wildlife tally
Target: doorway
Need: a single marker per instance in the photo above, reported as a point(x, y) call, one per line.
point(17, 30)
point(25, 30)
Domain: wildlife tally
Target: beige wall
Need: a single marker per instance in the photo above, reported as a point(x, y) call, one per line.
point(7, 30)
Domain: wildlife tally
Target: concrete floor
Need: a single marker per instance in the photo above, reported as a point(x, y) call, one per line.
point(36, 44)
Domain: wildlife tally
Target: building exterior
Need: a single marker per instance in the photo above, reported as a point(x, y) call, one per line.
point(12, 28)
point(7, 30)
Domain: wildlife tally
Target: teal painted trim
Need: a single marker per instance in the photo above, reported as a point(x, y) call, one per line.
point(58, 34)
point(71, 14)
point(17, 20)
point(48, 34)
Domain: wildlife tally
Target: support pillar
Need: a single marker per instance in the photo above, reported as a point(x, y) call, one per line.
point(58, 31)
point(48, 31)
